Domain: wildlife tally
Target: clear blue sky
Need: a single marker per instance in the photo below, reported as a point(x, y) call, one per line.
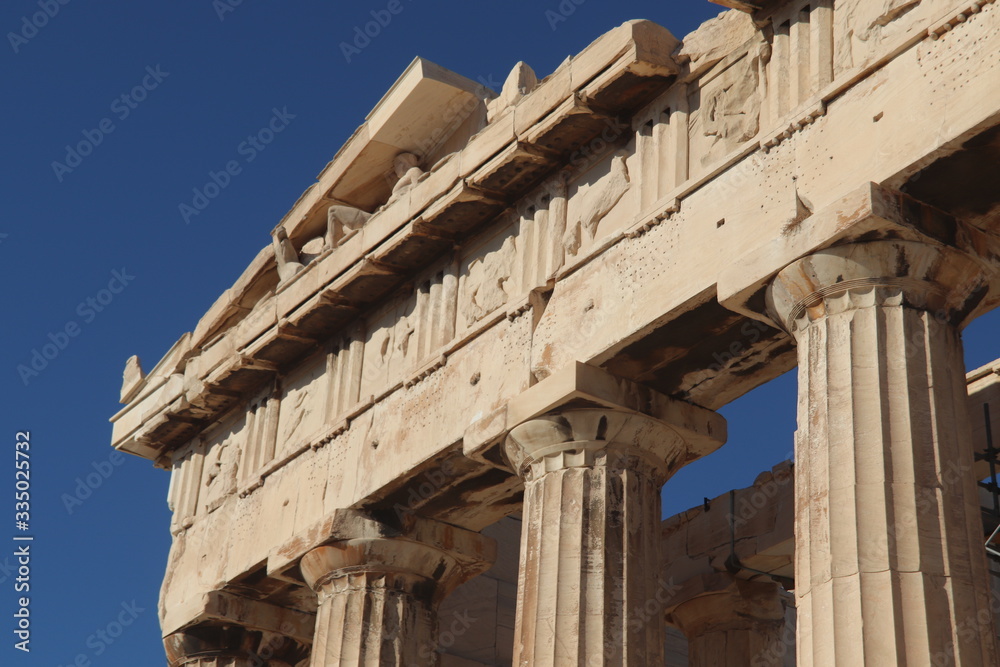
point(206, 83)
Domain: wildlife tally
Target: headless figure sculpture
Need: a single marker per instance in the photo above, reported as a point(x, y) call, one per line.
point(285, 256)
point(343, 222)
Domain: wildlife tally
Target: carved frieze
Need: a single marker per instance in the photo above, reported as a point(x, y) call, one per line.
point(302, 406)
point(222, 454)
point(486, 286)
point(592, 203)
point(729, 111)
point(862, 25)
point(732, 109)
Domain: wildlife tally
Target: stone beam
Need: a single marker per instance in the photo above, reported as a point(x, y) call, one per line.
point(581, 384)
point(221, 608)
point(815, 182)
point(212, 645)
point(175, 414)
point(869, 213)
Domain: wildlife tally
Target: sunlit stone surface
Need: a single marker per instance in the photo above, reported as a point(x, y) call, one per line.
point(430, 422)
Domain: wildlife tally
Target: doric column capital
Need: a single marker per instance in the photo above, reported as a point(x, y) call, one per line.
point(595, 437)
point(731, 604)
point(733, 621)
point(428, 561)
point(594, 451)
point(379, 586)
point(212, 644)
point(940, 280)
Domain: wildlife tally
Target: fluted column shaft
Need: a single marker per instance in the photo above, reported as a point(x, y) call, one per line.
point(584, 529)
point(741, 624)
point(890, 566)
point(379, 593)
point(372, 618)
point(589, 590)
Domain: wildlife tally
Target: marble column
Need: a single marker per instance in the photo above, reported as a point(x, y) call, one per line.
point(589, 589)
point(379, 593)
point(215, 645)
point(890, 566)
point(740, 623)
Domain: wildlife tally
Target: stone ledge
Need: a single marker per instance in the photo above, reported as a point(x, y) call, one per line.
point(219, 606)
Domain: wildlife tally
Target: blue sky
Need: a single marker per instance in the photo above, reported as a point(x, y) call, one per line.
point(104, 265)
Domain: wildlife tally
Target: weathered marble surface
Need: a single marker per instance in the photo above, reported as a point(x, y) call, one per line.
point(623, 216)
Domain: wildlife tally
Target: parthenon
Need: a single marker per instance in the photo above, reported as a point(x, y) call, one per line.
point(431, 421)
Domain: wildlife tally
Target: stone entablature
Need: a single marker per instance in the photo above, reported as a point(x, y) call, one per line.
point(207, 364)
point(412, 303)
point(459, 194)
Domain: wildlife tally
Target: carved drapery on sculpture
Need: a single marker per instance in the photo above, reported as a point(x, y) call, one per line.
point(285, 256)
point(407, 172)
